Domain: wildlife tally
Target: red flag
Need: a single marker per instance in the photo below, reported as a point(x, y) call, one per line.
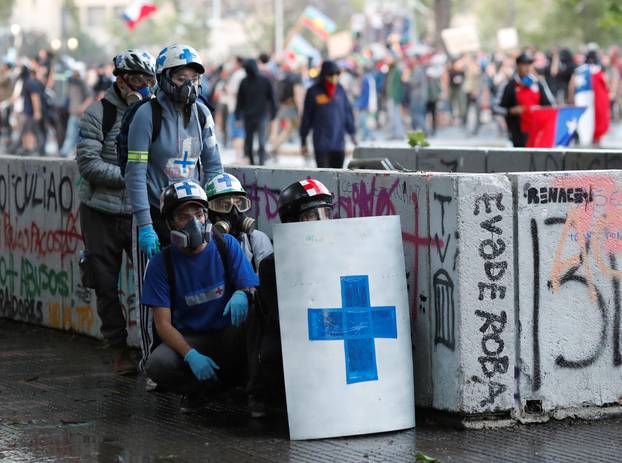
point(542, 124)
point(602, 110)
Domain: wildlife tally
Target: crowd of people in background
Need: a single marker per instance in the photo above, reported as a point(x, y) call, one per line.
point(41, 99)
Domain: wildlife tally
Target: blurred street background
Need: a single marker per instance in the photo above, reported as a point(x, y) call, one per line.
point(435, 66)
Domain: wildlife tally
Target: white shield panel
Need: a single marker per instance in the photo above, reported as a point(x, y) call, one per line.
point(345, 327)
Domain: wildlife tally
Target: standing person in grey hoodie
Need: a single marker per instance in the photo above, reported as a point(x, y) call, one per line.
point(256, 105)
point(105, 212)
point(183, 149)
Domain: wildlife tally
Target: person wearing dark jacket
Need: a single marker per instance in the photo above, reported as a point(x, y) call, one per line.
point(256, 106)
point(523, 92)
point(327, 111)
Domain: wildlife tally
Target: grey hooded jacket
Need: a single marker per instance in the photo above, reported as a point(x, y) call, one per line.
point(102, 187)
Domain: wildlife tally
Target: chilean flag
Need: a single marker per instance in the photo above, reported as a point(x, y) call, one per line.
point(137, 11)
point(592, 93)
point(551, 127)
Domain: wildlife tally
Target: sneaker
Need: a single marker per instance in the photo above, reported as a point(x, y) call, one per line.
point(193, 402)
point(256, 407)
point(124, 362)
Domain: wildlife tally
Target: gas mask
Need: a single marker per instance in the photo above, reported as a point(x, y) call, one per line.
point(234, 222)
point(138, 94)
point(193, 235)
point(186, 93)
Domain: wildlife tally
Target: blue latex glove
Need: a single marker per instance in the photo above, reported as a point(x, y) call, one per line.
point(238, 306)
point(203, 367)
point(148, 241)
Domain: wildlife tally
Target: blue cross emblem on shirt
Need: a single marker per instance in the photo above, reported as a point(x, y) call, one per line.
point(357, 324)
point(187, 55)
point(184, 162)
point(226, 180)
point(186, 187)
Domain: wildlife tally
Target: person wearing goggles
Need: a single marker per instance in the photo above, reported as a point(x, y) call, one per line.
point(136, 75)
point(227, 205)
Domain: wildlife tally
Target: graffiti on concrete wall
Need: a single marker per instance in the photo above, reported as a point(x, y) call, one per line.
point(443, 286)
point(40, 241)
point(361, 196)
point(580, 264)
point(493, 250)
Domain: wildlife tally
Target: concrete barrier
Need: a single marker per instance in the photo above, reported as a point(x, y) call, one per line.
point(492, 160)
point(513, 278)
point(471, 286)
point(570, 241)
point(40, 242)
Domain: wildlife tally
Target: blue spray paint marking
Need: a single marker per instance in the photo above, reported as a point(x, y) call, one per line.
point(357, 324)
point(184, 162)
point(226, 180)
point(187, 55)
point(185, 186)
point(162, 57)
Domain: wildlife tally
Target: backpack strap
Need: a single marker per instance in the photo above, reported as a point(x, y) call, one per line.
point(167, 253)
point(223, 250)
point(250, 246)
point(202, 122)
point(156, 119)
point(109, 117)
point(202, 117)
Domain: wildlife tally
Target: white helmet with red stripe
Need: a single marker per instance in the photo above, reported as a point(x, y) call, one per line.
point(302, 196)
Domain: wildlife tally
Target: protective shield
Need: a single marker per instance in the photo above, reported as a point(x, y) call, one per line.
point(345, 327)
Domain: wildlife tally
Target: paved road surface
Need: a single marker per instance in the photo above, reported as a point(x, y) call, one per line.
point(59, 402)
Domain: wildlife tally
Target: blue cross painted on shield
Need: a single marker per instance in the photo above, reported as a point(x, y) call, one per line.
point(186, 187)
point(184, 162)
point(226, 180)
point(357, 324)
point(187, 55)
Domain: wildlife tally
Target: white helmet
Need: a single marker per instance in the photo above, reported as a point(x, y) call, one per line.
point(177, 55)
point(134, 61)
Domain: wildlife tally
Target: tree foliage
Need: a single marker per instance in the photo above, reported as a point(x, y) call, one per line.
point(549, 23)
point(6, 8)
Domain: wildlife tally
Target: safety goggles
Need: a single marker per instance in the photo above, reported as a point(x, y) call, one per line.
point(140, 80)
point(317, 213)
point(225, 204)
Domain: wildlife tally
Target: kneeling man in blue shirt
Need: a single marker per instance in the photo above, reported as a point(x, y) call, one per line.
point(199, 289)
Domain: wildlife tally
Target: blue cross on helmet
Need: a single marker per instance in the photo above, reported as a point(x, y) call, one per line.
point(173, 59)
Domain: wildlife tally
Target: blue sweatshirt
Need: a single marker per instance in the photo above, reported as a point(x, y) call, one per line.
point(329, 119)
point(175, 155)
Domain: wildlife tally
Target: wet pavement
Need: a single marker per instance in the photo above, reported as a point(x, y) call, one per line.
point(60, 402)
